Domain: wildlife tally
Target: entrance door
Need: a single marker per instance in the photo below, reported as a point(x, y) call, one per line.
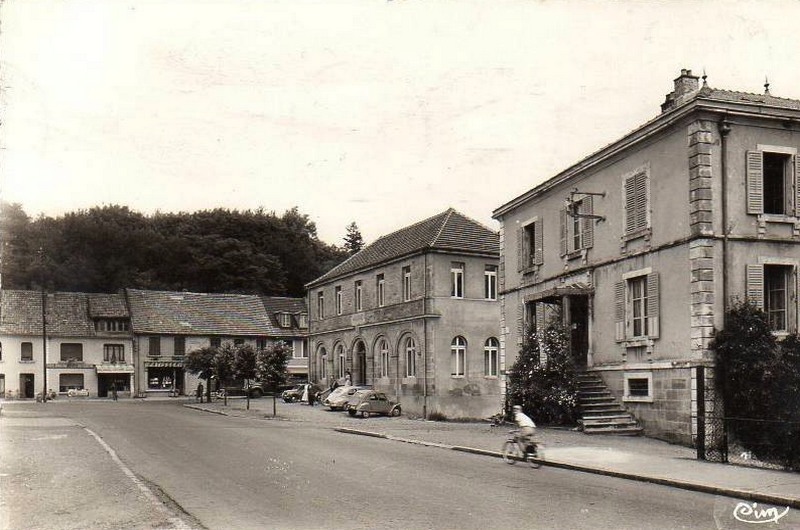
point(26, 385)
point(360, 376)
point(579, 329)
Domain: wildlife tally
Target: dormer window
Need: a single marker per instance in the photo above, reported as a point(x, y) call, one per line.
point(111, 324)
point(285, 320)
point(303, 320)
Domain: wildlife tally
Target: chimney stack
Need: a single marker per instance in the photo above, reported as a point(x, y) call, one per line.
point(686, 86)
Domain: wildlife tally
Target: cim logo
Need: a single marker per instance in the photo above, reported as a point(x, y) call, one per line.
point(747, 513)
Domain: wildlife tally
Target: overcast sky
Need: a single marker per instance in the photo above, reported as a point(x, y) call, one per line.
point(378, 112)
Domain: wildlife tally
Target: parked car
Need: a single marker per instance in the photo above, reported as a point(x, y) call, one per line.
point(339, 397)
point(366, 403)
point(256, 389)
point(296, 393)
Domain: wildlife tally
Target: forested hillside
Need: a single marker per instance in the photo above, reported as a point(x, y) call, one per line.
point(107, 248)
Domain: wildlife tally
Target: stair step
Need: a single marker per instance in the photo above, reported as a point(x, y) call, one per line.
point(611, 420)
point(633, 431)
point(606, 417)
point(598, 399)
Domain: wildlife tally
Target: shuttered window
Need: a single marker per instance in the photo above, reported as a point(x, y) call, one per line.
point(636, 307)
point(772, 183)
point(636, 202)
point(772, 288)
point(530, 242)
point(577, 231)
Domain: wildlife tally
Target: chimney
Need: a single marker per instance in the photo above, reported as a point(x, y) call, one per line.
point(686, 86)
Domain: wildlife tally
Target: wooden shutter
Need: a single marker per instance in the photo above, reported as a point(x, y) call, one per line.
point(619, 310)
point(521, 324)
point(520, 249)
point(755, 182)
point(796, 167)
point(539, 312)
point(653, 304)
point(755, 285)
point(538, 244)
point(563, 215)
point(587, 223)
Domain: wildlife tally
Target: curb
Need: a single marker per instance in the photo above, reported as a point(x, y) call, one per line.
point(203, 409)
point(691, 486)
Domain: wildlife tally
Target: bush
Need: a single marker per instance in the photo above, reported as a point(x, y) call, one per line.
point(760, 384)
point(543, 380)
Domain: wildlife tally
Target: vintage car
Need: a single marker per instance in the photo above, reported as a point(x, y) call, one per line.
point(366, 403)
point(337, 400)
point(296, 393)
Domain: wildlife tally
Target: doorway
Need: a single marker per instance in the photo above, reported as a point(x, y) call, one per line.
point(579, 329)
point(26, 385)
point(360, 368)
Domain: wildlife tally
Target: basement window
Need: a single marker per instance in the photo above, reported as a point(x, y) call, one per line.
point(638, 387)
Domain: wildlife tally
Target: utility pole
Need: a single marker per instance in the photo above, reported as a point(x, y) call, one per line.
point(44, 326)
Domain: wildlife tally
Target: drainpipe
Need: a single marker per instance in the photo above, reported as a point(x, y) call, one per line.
point(44, 345)
point(724, 130)
point(425, 340)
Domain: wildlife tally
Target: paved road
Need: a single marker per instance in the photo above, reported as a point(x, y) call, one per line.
point(224, 472)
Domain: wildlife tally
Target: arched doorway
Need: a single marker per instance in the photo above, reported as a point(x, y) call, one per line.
point(360, 363)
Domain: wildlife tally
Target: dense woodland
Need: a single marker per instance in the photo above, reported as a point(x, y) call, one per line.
point(107, 248)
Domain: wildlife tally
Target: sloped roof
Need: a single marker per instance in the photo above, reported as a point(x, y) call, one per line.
point(67, 314)
point(747, 97)
point(107, 306)
point(278, 304)
point(449, 230)
point(183, 313)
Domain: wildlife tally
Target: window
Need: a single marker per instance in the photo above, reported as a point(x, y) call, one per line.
point(111, 325)
point(406, 284)
point(340, 361)
point(323, 369)
point(339, 300)
point(490, 357)
point(67, 382)
point(383, 350)
point(261, 343)
point(411, 357)
point(772, 177)
point(529, 245)
point(26, 351)
point(215, 342)
point(490, 282)
point(179, 346)
point(2, 384)
point(771, 287)
point(457, 280)
point(154, 344)
point(358, 291)
point(71, 351)
point(379, 289)
point(1, 358)
point(637, 306)
point(299, 350)
point(577, 232)
point(320, 305)
point(636, 193)
point(285, 320)
point(638, 386)
point(114, 353)
point(302, 320)
point(458, 354)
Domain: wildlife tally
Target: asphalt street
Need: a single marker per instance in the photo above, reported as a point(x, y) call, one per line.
point(98, 464)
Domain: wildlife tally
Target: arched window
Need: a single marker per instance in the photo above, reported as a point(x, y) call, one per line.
point(383, 349)
point(340, 360)
point(458, 354)
point(411, 357)
point(491, 357)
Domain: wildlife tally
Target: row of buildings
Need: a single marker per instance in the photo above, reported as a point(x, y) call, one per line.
point(640, 248)
point(135, 340)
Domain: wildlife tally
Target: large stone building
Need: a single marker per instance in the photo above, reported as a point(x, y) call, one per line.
point(644, 244)
point(415, 314)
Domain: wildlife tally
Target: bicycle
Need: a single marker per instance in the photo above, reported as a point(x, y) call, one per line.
point(515, 450)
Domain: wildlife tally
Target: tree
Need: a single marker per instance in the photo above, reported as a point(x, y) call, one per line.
point(245, 365)
point(546, 389)
point(201, 363)
point(223, 366)
point(353, 242)
point(271, 367)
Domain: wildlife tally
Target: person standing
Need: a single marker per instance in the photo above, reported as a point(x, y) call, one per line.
point(199, 394)
point(114, 390)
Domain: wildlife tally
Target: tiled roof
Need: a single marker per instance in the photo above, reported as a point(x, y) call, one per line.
point(67, 314)
point(449, 230)
point(182, 313)
point(107, 306)
point(277, 304)
point(746, 97)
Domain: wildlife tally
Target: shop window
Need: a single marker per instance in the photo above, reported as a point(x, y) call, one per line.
point(26, 352)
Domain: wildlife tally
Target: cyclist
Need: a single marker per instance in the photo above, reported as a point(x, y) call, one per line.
point(526, 426)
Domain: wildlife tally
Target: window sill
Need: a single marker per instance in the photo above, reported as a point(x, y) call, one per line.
point(637, 342)
point(531, 269)
point(638, 399)
point(642, 232)
point(409, 380)
point(778, 218)
point(574, 254)
point(490, 377)
point(27, 361)
point(453, 376)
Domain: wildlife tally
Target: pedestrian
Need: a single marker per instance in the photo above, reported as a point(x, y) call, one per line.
point(199, 395)
point(348, 381)
point(312, 396)
point(114, 390)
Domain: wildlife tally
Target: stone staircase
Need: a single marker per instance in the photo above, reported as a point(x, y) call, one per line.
point(600, 411)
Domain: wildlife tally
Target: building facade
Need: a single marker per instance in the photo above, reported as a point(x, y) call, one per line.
point(642, 246)
point(415, 315)
point(82, 344)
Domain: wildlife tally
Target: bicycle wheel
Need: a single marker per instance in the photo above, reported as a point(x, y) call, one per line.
point(511, 453)
point(534, 456)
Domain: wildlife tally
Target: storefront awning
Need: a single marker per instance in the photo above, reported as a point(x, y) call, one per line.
point(114, 369)
point(163, 364)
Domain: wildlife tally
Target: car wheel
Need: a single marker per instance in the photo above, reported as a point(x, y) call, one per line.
point(396, 411)
point(352, 413)
point(365, 414)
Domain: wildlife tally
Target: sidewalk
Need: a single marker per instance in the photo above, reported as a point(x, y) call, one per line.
point(634, 458)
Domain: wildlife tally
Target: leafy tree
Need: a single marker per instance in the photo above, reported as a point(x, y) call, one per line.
point(201, 363)
point(223, 366)
point(271, 365)
point(353, 242)
point(547, 391)
point(245, 365)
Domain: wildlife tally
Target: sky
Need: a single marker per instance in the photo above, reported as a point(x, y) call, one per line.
point(381, 113)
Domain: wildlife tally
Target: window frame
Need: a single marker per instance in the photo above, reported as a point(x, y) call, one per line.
point(110, 352)
point(383, 352)
point(358, 295)
point(636, 216)
point(339, 298)
point(380, 290)
point(457, 273)
point(755, 182)
point(407, 283)
point(491, 357)
point(22, 352)
point(649, 301)
point(154, 346)
point(320, 305)
point(638, 376)
point(458, 357)
point(410, 347)
point(490, 282)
